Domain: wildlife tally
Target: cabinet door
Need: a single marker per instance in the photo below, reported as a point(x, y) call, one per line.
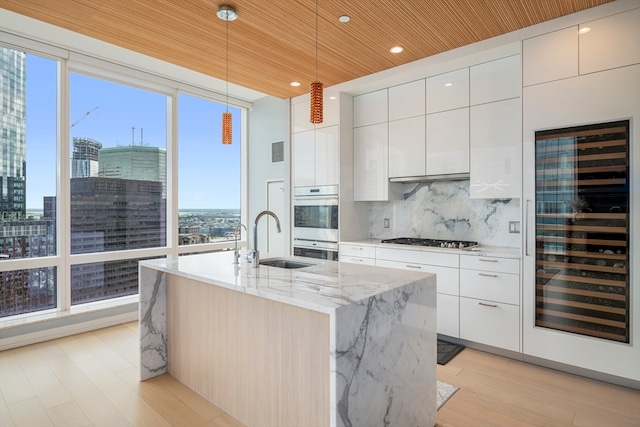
point(611, 43)
point(448, 312)
point(326, 157)
point(448, 142)
point(551, 56)
point(495, 80)
point(370, 108)
point(370, 163)
point(407, 147)
point(303, 158)
point(490, 323)
point(407, 100)
point(448, 91)
point(496, 147)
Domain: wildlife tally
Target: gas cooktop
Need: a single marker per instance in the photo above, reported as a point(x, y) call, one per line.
point(435, 243)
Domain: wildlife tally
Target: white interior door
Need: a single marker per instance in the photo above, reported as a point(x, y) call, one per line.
point(275, 203)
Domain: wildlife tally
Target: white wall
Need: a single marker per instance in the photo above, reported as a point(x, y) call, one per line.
point(268, 123)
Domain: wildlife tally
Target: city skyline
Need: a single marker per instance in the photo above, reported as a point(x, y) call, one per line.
point(119, 115)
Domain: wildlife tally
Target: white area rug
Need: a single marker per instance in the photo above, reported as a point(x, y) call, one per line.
point(445, 391)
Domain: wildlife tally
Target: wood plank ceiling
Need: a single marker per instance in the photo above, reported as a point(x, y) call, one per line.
point(272, 43)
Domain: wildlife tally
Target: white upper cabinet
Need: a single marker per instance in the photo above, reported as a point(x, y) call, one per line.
point(496, 150)
point(407, 147)
point(612, 42)
point(327, 156)
point(370, 108)
point(301, 117)
point(370, 163)
point(316, 157)
point(551, 56)
point(303, 158)
point(447, 148)
point(495, 80)
point(448, 91)
point(407, 100)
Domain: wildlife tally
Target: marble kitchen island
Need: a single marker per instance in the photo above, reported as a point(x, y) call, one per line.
point(330, 344)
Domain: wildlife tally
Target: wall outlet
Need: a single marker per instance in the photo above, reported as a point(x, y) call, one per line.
point(386, 223)
point(514, 227)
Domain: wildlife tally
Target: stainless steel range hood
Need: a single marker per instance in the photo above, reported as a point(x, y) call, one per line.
point(428, 178)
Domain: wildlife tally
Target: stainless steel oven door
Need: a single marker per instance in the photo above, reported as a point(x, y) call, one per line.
point(312, 249)
point(316, 218)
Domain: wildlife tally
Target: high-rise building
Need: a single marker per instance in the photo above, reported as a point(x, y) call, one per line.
point(84, 161)
point(112, 214)
point(33, 289)
point(13, 163)
point(138, 162)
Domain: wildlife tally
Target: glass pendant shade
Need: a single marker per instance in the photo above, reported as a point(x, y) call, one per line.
point(226, 128)
point(316, 102)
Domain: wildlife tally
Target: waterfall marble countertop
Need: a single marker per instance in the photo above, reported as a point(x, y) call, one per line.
point(324, 287)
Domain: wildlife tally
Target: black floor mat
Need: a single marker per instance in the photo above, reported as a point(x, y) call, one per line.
point(447, 351)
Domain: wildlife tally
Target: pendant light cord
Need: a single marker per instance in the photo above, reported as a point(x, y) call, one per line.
point(316, 40)
point(227, 79)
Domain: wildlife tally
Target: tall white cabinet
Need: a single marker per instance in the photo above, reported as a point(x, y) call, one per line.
point(496, 130)
point(602, 86)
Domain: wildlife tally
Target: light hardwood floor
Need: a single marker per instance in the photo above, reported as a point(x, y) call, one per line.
point(91, 379)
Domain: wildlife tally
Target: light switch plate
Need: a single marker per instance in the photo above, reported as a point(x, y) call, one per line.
point(386, 222)
point(514, 227)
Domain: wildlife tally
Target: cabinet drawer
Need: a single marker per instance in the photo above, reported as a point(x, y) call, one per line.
point(490, 323)
point(492, 286)
point(357, 251)
point(357, 260)
point(448, 315)
point(448, 279)
point(418, 257)
point(487, 263)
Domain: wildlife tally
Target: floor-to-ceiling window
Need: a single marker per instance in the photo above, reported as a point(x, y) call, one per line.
point(102, 166)
point(209, 206)
point(28, 182)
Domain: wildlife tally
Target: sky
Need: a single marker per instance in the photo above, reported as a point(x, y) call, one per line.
point(104, 111)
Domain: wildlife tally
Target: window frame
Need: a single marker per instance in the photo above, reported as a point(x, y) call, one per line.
point(133, 75)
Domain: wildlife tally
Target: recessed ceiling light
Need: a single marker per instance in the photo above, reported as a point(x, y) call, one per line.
point(396, 49)
point(295, 84)
point(584, 30)
point(332, 98)
point(344, 18)
point(448, 84)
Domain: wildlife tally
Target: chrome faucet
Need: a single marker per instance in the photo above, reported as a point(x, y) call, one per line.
point(254, 255)
point(236, 252)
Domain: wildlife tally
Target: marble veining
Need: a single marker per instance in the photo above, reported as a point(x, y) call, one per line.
point(153, 323)
point(382, 329)
point(444, 210)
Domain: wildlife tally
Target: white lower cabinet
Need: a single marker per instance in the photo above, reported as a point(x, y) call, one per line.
point(490, 301)
point(448, 315)
point(444, 266)
point(489, 322)
point(357, 254)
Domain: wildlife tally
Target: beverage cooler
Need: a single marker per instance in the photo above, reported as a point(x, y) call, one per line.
point(582, 230)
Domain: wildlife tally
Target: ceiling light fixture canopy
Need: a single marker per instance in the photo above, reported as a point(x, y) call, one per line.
point(227, 13)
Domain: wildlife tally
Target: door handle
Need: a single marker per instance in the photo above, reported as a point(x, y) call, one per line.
point(487, 275)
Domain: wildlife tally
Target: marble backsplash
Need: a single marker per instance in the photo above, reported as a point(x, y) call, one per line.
point(444, 210)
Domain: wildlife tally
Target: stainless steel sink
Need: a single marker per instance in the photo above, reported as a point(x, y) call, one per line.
point(284, 263)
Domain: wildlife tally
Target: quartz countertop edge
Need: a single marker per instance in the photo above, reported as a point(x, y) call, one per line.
point(324, 287)
point(481, 250)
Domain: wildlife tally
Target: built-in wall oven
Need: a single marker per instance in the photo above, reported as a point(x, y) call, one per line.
point(315, 222)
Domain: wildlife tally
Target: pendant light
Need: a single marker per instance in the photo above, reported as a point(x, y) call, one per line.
point(227, 13)
point(316, 86)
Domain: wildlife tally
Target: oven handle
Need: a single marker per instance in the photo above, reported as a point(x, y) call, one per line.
point(316, 201)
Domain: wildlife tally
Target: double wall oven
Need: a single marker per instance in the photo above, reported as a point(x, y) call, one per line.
point(315, 222)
